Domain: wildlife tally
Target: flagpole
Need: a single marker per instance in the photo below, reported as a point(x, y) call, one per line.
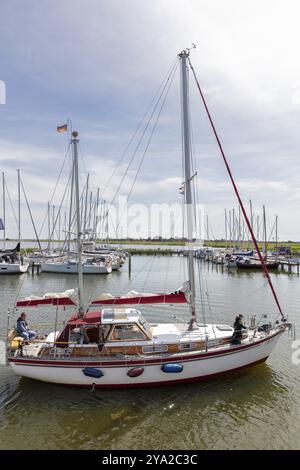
point(70, 128)
point(19, 207)
point(3, 189)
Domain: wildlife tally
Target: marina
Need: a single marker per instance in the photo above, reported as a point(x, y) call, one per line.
point(244, 408)
point(149, 253)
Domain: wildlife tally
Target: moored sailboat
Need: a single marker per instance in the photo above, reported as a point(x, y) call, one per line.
point(11, 261)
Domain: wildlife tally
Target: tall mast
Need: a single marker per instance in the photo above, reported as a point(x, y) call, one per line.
point(49, 228)
point(239, 228)
point(225, 227)
point(251, 221)
point(85, 205)
point(276, 236)
point(233, 228)
point(3, 202)
point(19, 207)
point(59, 221)
point(78, 223)
point(96, 216)
point(53, 222)
point(207, 230)
point(106, 223)
point(230, 229)
point(188, 179)
point(70, 211)
point(265, 232)
point(90, 213)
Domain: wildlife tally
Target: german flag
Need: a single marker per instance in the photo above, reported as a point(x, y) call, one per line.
point(62, 129)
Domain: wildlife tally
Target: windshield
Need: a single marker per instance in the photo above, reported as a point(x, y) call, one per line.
point(145, 325)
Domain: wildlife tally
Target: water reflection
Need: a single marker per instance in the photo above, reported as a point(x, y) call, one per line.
point(254, 408)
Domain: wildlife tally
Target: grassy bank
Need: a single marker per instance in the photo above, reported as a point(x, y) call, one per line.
point(294, 246)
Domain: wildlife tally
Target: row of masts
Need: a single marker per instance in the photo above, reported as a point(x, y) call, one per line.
point(4, 189)
point(94, 216)
point(95, 225)
point(236, 231)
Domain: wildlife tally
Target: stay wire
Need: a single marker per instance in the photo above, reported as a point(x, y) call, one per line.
point(166, 91)
point(143, 133)
point(55, 187)
point(136, 131)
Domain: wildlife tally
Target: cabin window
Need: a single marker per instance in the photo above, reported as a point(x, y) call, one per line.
point(187, 346)
point(145, 325)
point(159, 348)
point(224, 327)
point(84, 334)
point(127, 333)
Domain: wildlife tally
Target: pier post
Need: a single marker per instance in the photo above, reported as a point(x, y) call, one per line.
point(129, 265)
point(32, 268)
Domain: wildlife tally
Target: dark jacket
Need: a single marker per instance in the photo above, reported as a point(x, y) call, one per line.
point(22, 326)
point(238, 327)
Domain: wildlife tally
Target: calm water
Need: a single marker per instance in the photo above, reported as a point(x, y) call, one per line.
point(257, 408)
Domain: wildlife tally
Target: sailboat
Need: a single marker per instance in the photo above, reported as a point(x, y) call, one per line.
point(11, 261)
point(67, 263)
point(253, 263)
point(109, 343)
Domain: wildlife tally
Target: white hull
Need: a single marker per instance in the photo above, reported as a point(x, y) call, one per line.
point(15, 268)
point(195, 366)
point(65, 268)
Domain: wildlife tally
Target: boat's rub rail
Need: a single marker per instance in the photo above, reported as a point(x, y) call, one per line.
point(72, 351)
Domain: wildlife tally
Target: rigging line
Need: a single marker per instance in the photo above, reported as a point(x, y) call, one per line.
point(194, 172)
point(151, 135)
point(56, 184)
point(31, 217)
point(149, 271)
point(167, 273)
point(271, 233)
point(152, 132)
point(194, 184)
point(136, 130)
point(237, 194)
point(80, 153)
point(60, 206)
point(129, 283)
point(11, 204)
point(73, 220)
point(256, 290)
point(144, 131)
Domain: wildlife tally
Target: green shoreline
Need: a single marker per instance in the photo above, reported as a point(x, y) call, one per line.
point(293, 246)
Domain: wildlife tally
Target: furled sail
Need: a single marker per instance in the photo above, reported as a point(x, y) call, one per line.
point(63, 299)
point(133, 297)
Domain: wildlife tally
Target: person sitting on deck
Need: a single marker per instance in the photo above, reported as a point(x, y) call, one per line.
point(23, 330)
point(238, 327)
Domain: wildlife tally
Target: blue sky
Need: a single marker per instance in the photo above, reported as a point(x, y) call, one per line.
point(100, 63)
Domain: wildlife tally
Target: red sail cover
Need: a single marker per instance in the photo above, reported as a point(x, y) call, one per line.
point(174, 298)
point(51, 301)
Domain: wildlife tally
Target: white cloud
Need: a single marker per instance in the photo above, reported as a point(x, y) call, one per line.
point(101, 62)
